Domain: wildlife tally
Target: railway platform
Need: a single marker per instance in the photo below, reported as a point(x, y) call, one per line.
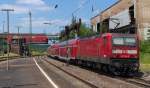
point(30, 73)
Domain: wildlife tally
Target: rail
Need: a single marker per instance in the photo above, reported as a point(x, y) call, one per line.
point(82, 80)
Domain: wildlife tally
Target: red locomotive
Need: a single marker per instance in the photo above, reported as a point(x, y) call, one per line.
point(113, 52)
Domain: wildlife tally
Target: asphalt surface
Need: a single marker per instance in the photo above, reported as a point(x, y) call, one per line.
point(24, 73)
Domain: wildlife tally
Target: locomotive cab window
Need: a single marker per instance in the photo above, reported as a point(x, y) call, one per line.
point(118, 41)
point(129, 41)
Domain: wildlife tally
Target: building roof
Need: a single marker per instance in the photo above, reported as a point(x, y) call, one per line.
point(106, 9)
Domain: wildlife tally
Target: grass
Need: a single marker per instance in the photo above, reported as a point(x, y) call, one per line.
point(145, 56)
point(4, 57)
point(39, 49)
point(145, 67)
point(145, 62)
point(11, 55)
point(34, 53)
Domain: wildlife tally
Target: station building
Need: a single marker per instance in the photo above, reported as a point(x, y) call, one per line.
point(125, 16)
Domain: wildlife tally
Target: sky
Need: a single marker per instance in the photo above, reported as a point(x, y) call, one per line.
point(44, 11)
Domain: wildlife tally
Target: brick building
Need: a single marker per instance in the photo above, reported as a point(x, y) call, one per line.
point(125, 16)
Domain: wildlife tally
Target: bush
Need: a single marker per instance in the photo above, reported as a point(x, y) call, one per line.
point(38, 49)
point(145, 47)
point(145, 52)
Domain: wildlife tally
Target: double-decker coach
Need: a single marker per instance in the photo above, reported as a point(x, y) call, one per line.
point(113, 52)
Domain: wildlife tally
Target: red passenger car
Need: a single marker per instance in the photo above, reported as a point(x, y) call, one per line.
point(19, 43)
point(35, 38)
point(116, 53)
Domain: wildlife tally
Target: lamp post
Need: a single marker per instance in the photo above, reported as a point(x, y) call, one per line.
point(3, 37)
point(8, 48)
point(48, 23)
point(19, 37)
point(30, 30)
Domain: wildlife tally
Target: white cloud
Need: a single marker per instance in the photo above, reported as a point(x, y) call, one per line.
point(81, 3)
point(39, 5)
point(25, 9)
point(44, 8)
point(36, 22)
point(18, 9)
point(59, 22)
point(39, 22)
point(39, 26)
point(31, 2)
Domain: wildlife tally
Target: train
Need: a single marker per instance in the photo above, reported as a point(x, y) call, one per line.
point(115, 53)
point(34, 38)
point(19, 43)
point(20, 47)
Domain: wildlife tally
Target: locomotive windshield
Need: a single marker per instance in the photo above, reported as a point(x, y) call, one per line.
point(130, 41)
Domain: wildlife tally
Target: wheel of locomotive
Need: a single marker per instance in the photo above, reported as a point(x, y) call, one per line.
point(113, 70)
point(93, 65)
point(105, 68)
point(68, 62)
point(75, 62)
point(98, 66)
point(71, 61)
point(89, 64)
point(84, 63)
point(79, 62)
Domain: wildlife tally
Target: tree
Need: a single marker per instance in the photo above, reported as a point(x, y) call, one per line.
point(85, 31)
point(75, 28)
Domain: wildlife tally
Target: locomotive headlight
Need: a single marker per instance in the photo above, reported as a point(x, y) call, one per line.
point(117, 51)
point(132, 51)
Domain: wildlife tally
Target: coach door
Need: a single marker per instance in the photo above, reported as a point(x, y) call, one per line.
point(105, 47)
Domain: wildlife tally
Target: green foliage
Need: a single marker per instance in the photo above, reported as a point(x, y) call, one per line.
point(85, 31)
point(145, 46)
point(145, 58)
point(72, 35)
point(38, 49)
point(145, 52)
point(3, 46)
point(63, 38)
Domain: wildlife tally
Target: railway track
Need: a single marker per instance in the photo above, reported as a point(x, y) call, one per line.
point(10, 58)
point(139, 82)
point(82, 80)
point(135, 81)
point(14, 57)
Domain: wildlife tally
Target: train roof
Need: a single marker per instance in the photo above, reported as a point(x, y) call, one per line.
point(74, 41)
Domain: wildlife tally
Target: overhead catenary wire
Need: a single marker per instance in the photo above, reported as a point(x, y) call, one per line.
point(58, 4)
point(76, 10)
point(72, 14)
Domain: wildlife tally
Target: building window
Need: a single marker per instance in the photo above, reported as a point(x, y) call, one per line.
point(98, 27)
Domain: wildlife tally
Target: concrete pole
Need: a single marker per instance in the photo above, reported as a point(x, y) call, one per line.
point(3, 36)
point(30, 28)
point(18, 39)
point(8, 48)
